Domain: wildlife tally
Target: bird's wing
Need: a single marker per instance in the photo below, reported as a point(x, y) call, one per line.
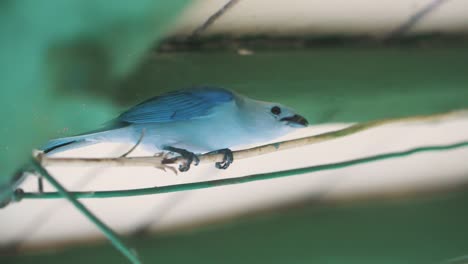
point(177, 106)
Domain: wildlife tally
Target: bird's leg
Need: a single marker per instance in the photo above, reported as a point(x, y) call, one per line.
point(187, 155)
point(40, 184)
point(227, 159)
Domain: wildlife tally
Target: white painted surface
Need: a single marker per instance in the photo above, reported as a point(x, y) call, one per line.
point(331, 17)
point(23, 220)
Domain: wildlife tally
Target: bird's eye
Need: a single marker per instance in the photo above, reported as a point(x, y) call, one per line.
point(276, 110)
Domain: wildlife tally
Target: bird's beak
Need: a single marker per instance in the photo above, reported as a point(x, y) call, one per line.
point(295, 121)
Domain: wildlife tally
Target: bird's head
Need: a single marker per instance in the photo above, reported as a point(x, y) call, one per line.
point(281, 115)
point(271, 119)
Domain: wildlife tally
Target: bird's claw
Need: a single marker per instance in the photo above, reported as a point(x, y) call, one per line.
point(163, 166)
point(189, 157)
point(227, 159)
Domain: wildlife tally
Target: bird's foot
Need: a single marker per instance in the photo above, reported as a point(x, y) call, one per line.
point(228, 158)
point(189, 157)
point(162, 166)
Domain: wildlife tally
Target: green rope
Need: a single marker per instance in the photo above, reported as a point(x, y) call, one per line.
point(250, 178)
point(111, 235)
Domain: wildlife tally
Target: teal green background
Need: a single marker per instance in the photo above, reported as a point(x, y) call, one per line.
point(51, 48)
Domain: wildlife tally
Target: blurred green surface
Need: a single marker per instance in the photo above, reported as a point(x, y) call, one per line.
point(415, 231)
point(55, 54)
point(342, 84)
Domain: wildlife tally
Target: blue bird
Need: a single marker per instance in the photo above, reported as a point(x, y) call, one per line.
point(192, 121)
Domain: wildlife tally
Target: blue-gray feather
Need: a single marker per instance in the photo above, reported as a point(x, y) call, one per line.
point(177, 106)
point(199, 120)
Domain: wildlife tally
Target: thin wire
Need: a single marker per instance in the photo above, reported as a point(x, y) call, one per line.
point(213, 18)
point(109, 233)
point(162, 162)
point(44, 216)
point(415, 18)
point(142, 135)
point(237, 180)
point(40, 219)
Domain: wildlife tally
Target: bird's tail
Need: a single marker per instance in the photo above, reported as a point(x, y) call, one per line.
point(67, 143)
point(82, 140)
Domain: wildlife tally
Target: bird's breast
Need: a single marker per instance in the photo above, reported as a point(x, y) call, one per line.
point(196, 135)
